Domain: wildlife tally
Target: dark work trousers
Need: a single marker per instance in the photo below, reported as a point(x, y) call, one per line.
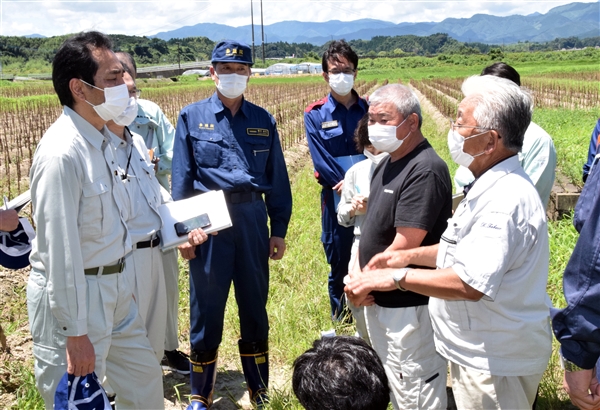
point(239, 254)
point(337, 242)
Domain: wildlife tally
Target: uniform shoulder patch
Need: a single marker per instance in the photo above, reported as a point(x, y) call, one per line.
point(316, 104)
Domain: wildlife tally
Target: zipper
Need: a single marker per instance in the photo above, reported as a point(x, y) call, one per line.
point(256, 151)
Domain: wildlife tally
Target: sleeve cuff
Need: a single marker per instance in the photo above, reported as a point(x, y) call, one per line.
point(279, 231)
point(73, 328)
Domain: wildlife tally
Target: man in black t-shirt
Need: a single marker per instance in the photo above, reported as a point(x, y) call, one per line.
point(409, 205)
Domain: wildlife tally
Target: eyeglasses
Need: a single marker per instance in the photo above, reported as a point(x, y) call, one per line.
point(135, 92)
point(454, 125)
point(348, 71)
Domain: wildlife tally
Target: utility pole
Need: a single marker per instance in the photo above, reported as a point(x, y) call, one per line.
point(252, 21)
point(178, 56)
point(262, 29)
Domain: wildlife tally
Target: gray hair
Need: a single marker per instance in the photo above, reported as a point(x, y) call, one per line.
point(501, 105)
point(402, 97)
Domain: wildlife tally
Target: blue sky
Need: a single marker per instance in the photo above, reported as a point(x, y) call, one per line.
point(22, 17)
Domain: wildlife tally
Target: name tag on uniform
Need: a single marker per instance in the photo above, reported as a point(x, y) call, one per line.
point(210, 127)
point(329, 124)
point(257, 132)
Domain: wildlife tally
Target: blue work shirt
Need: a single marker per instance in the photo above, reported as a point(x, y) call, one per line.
point(577, 327)
point(330, 133)
point(215, 151)
point(592, 151)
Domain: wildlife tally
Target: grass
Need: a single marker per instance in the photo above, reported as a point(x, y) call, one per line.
point(571, 131)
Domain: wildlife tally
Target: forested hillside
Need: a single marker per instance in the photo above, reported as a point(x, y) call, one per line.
point(23, 55)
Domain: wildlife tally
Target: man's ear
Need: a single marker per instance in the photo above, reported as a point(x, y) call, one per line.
point(493, 141)
point(76, 88)
point(414, 121)
point(326, 77)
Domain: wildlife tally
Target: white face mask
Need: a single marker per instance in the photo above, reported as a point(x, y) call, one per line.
point(376, 159)
point(341, 83)
point(383, 137)
point(130, 113)
point(456, 143)
point(116, 100)
point(232, 85)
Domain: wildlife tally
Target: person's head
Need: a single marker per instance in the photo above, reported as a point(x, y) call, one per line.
point(128, 63)
point(340, 373)
point(340, 64)
point(129, 114)
point(394, 115)
point(361, 134)
point(503, 70)
point(231, 68)
point(363, 143)
point(491, 120)
point(86, 56)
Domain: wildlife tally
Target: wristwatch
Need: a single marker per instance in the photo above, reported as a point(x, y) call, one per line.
point(398, 275)
point(569, 366)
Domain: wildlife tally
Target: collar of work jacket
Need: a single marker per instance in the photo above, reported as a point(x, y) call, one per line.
point(331, 104)
point(88, 131)
point(489, 177)
point(217, 105)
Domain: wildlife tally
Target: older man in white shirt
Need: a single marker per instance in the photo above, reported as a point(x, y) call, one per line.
point(488, 302)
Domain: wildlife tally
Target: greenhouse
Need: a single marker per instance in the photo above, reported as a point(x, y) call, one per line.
point(310, 68)
point(282, 69)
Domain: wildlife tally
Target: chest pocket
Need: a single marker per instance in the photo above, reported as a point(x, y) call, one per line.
point(207, 148)
point(95, 202)
point(257, 152)
point(331, 133)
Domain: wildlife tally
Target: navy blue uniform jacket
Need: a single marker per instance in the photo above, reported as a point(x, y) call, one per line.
point(214, 151)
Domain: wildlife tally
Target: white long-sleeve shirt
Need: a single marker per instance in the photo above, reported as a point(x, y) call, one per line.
point(80, 209)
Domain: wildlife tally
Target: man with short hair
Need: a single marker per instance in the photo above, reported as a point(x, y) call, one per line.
point(227, 143)
point(537, 156)
point(409, 204)
point(158, 135)
point(82, 314)
point(330, 124)
point(144, 265)
point(488, 300)
point(340, 373)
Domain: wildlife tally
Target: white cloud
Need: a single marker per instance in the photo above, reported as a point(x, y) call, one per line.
point(137, 17)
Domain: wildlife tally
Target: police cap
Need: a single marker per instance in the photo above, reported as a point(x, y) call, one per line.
point(230, 51)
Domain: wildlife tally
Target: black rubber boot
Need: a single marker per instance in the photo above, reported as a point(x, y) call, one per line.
point(255, 363)
point(203, 372)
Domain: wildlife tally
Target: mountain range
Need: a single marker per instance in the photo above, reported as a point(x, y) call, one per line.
point(571, 20)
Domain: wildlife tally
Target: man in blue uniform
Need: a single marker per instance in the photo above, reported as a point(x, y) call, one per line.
point(330, 124)
point(592, 151)
point(228, 143)
point(577, 327)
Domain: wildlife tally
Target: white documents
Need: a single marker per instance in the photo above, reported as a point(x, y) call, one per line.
point(19, 202)
point(211, 203)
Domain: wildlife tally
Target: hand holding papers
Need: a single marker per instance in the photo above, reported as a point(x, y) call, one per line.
point(211, 203)
point(19, 202)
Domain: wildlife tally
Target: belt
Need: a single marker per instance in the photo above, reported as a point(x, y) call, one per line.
point(240, 197)
point(106, 270)
point(150, 243)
